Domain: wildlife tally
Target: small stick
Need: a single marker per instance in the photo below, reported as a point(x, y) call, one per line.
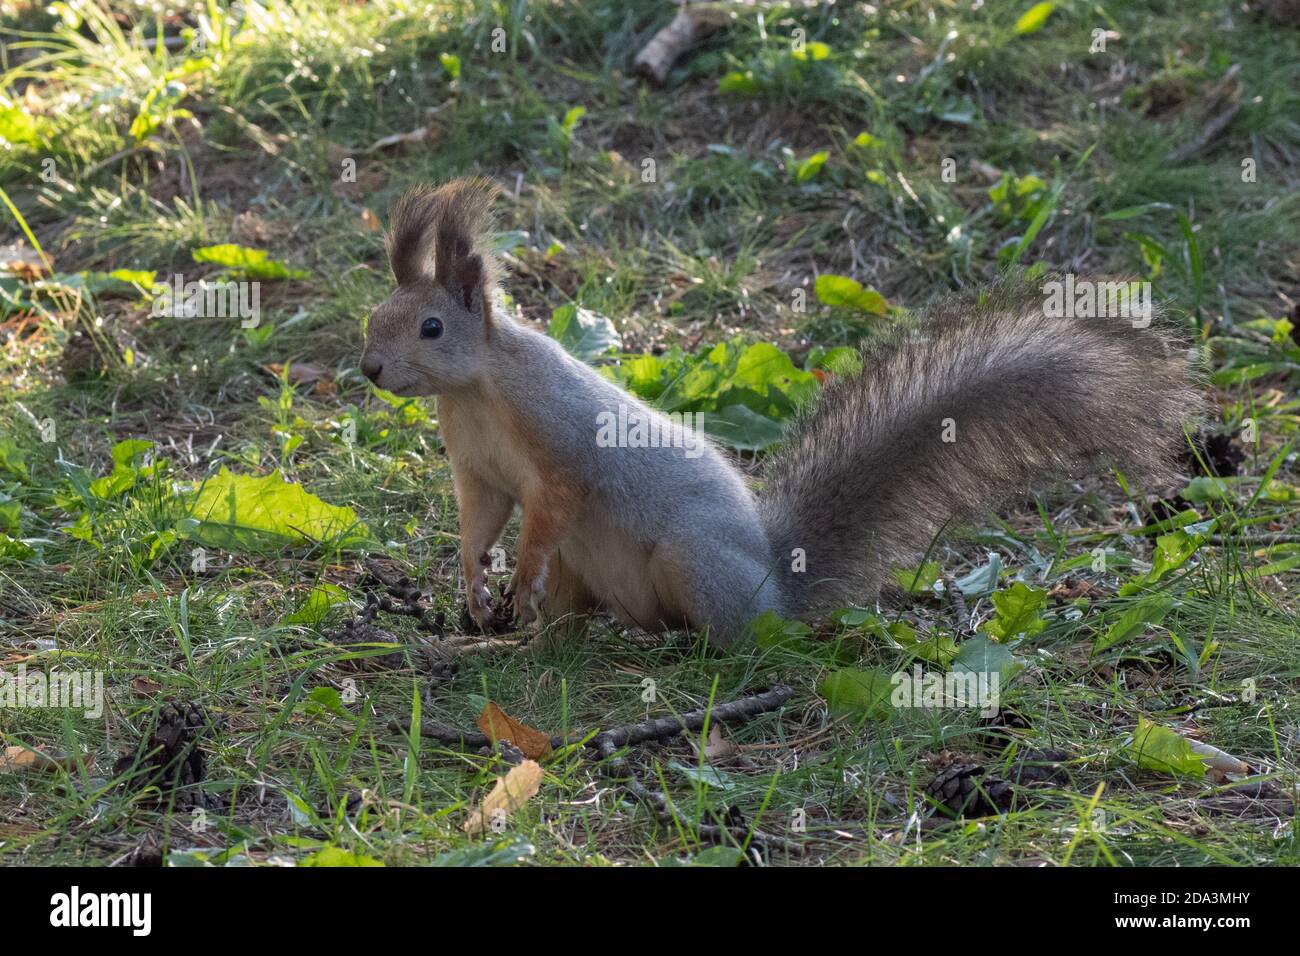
point(616, 768)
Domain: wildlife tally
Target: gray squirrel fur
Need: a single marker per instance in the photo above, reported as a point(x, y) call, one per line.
point(672, 536)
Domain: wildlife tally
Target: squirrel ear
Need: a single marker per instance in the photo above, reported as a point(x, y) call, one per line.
point(465, 281)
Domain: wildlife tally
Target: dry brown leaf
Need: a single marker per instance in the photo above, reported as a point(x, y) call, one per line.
point(21, 261)
point(499, 725)
point(144, 687)
point(510, 793)
point(16, 759)
point(1070, 590)
point(715, 746)
point(369, 221)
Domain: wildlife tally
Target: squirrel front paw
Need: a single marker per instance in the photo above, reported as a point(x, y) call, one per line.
point(479, 601)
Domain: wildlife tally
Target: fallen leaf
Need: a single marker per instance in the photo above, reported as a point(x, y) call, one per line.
point(715, 746)
point(144, 687)
point(23, 262)
point(369, 221)
point(21, 758)
point(499, 725)
point(1070, 590)
point(510, 793)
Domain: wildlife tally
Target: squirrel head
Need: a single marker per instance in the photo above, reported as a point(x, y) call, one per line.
point(433, 333)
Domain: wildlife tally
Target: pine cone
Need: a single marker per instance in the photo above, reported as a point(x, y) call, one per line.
point(170, 758)
point(964, 790)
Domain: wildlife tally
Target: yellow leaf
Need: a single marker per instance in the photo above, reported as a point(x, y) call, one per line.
point(510, 793)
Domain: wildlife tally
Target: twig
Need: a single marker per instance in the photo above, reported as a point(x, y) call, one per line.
point(615, 767)
point(1253, 541)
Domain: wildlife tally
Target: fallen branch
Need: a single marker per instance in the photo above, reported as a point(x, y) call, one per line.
point(692, 24)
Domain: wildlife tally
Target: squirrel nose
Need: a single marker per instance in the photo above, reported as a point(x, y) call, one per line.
point(371, 367)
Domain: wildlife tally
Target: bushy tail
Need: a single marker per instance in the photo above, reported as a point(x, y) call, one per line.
point(938, 429)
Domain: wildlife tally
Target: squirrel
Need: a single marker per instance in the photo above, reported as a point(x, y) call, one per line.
point(668, 534)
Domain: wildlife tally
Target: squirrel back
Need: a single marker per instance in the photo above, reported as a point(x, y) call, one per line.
point(993, 398)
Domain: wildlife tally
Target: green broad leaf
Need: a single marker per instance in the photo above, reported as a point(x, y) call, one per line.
point(979, 655)
point(1018, 613)
point(1204, 488)
point(509, 241)
point(1033, 19)
point(919, 580)
point(572, 118)
point(806, 169)
point(1172, 552)
point(763, 368)
point(841, 360)
point(451, 63)
point(127, 469)
point(738, 83)
point(1158, 748)
point(584, 334)
point(743, 429)
point(12, 458)
point(725, 856)
point(127, 453)
point(862, 692)
point(337, 856)
point(855, 616)
point(709, 776)
point(325, 699)
point(937, 648)
point(983, 580)
point(1135, 621)
point(246, 262)
point(812, 50)
point(244, 513)
point(505, 852)
point(771, 630)
point(1281, 491)
point(10, 513)
point(13, 548)
point(317, 605)
point(17, 126)
point(843, 292)
point(160, 542)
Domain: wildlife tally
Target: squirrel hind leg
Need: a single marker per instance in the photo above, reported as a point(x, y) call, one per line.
point(720, 590)
point(566, 591)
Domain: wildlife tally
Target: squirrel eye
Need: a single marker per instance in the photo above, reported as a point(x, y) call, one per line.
point(431, 328)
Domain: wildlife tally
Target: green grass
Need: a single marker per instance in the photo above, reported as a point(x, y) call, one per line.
point(125, 155)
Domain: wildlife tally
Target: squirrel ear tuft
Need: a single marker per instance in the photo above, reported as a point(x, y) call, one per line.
point(432, 231)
